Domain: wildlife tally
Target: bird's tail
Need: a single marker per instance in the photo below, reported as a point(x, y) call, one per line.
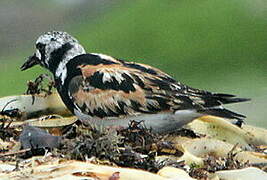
point(222, 112)
point(214, 102)
point(228, 98)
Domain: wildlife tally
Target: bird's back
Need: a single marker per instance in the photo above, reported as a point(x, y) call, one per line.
point(102, 86)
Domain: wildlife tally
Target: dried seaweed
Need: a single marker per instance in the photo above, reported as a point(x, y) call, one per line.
point(134, 146)
point(213, 164)
point(39, 85)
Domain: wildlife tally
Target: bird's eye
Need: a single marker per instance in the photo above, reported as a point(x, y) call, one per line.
point(40, 46)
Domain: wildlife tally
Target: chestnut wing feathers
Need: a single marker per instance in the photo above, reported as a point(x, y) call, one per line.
point(113, 90)
point(125, 88)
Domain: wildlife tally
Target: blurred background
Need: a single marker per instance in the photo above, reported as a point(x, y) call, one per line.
point(217, 45)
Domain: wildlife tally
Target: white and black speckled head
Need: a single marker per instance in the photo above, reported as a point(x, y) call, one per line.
point(53, 50)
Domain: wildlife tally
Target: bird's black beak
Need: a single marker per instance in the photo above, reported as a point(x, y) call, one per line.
point(30, 62)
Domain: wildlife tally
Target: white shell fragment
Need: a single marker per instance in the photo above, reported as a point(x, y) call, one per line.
point(174, 173)
point(30, 106)
point(222, 129)
point(242, 174)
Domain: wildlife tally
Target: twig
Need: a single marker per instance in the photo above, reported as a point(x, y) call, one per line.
point(16, 152)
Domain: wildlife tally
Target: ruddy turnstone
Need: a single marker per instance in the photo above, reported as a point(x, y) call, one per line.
point(98, 85)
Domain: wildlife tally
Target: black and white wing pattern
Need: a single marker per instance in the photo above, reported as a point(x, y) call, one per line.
point(103, 86)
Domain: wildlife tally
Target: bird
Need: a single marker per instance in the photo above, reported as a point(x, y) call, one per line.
point(98, 85)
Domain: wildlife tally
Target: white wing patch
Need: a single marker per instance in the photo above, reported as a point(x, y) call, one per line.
point(109, 73)
point(106, 77)
point(104, 56)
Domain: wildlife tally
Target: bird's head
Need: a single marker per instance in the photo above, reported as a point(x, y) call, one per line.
point(53, 48)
